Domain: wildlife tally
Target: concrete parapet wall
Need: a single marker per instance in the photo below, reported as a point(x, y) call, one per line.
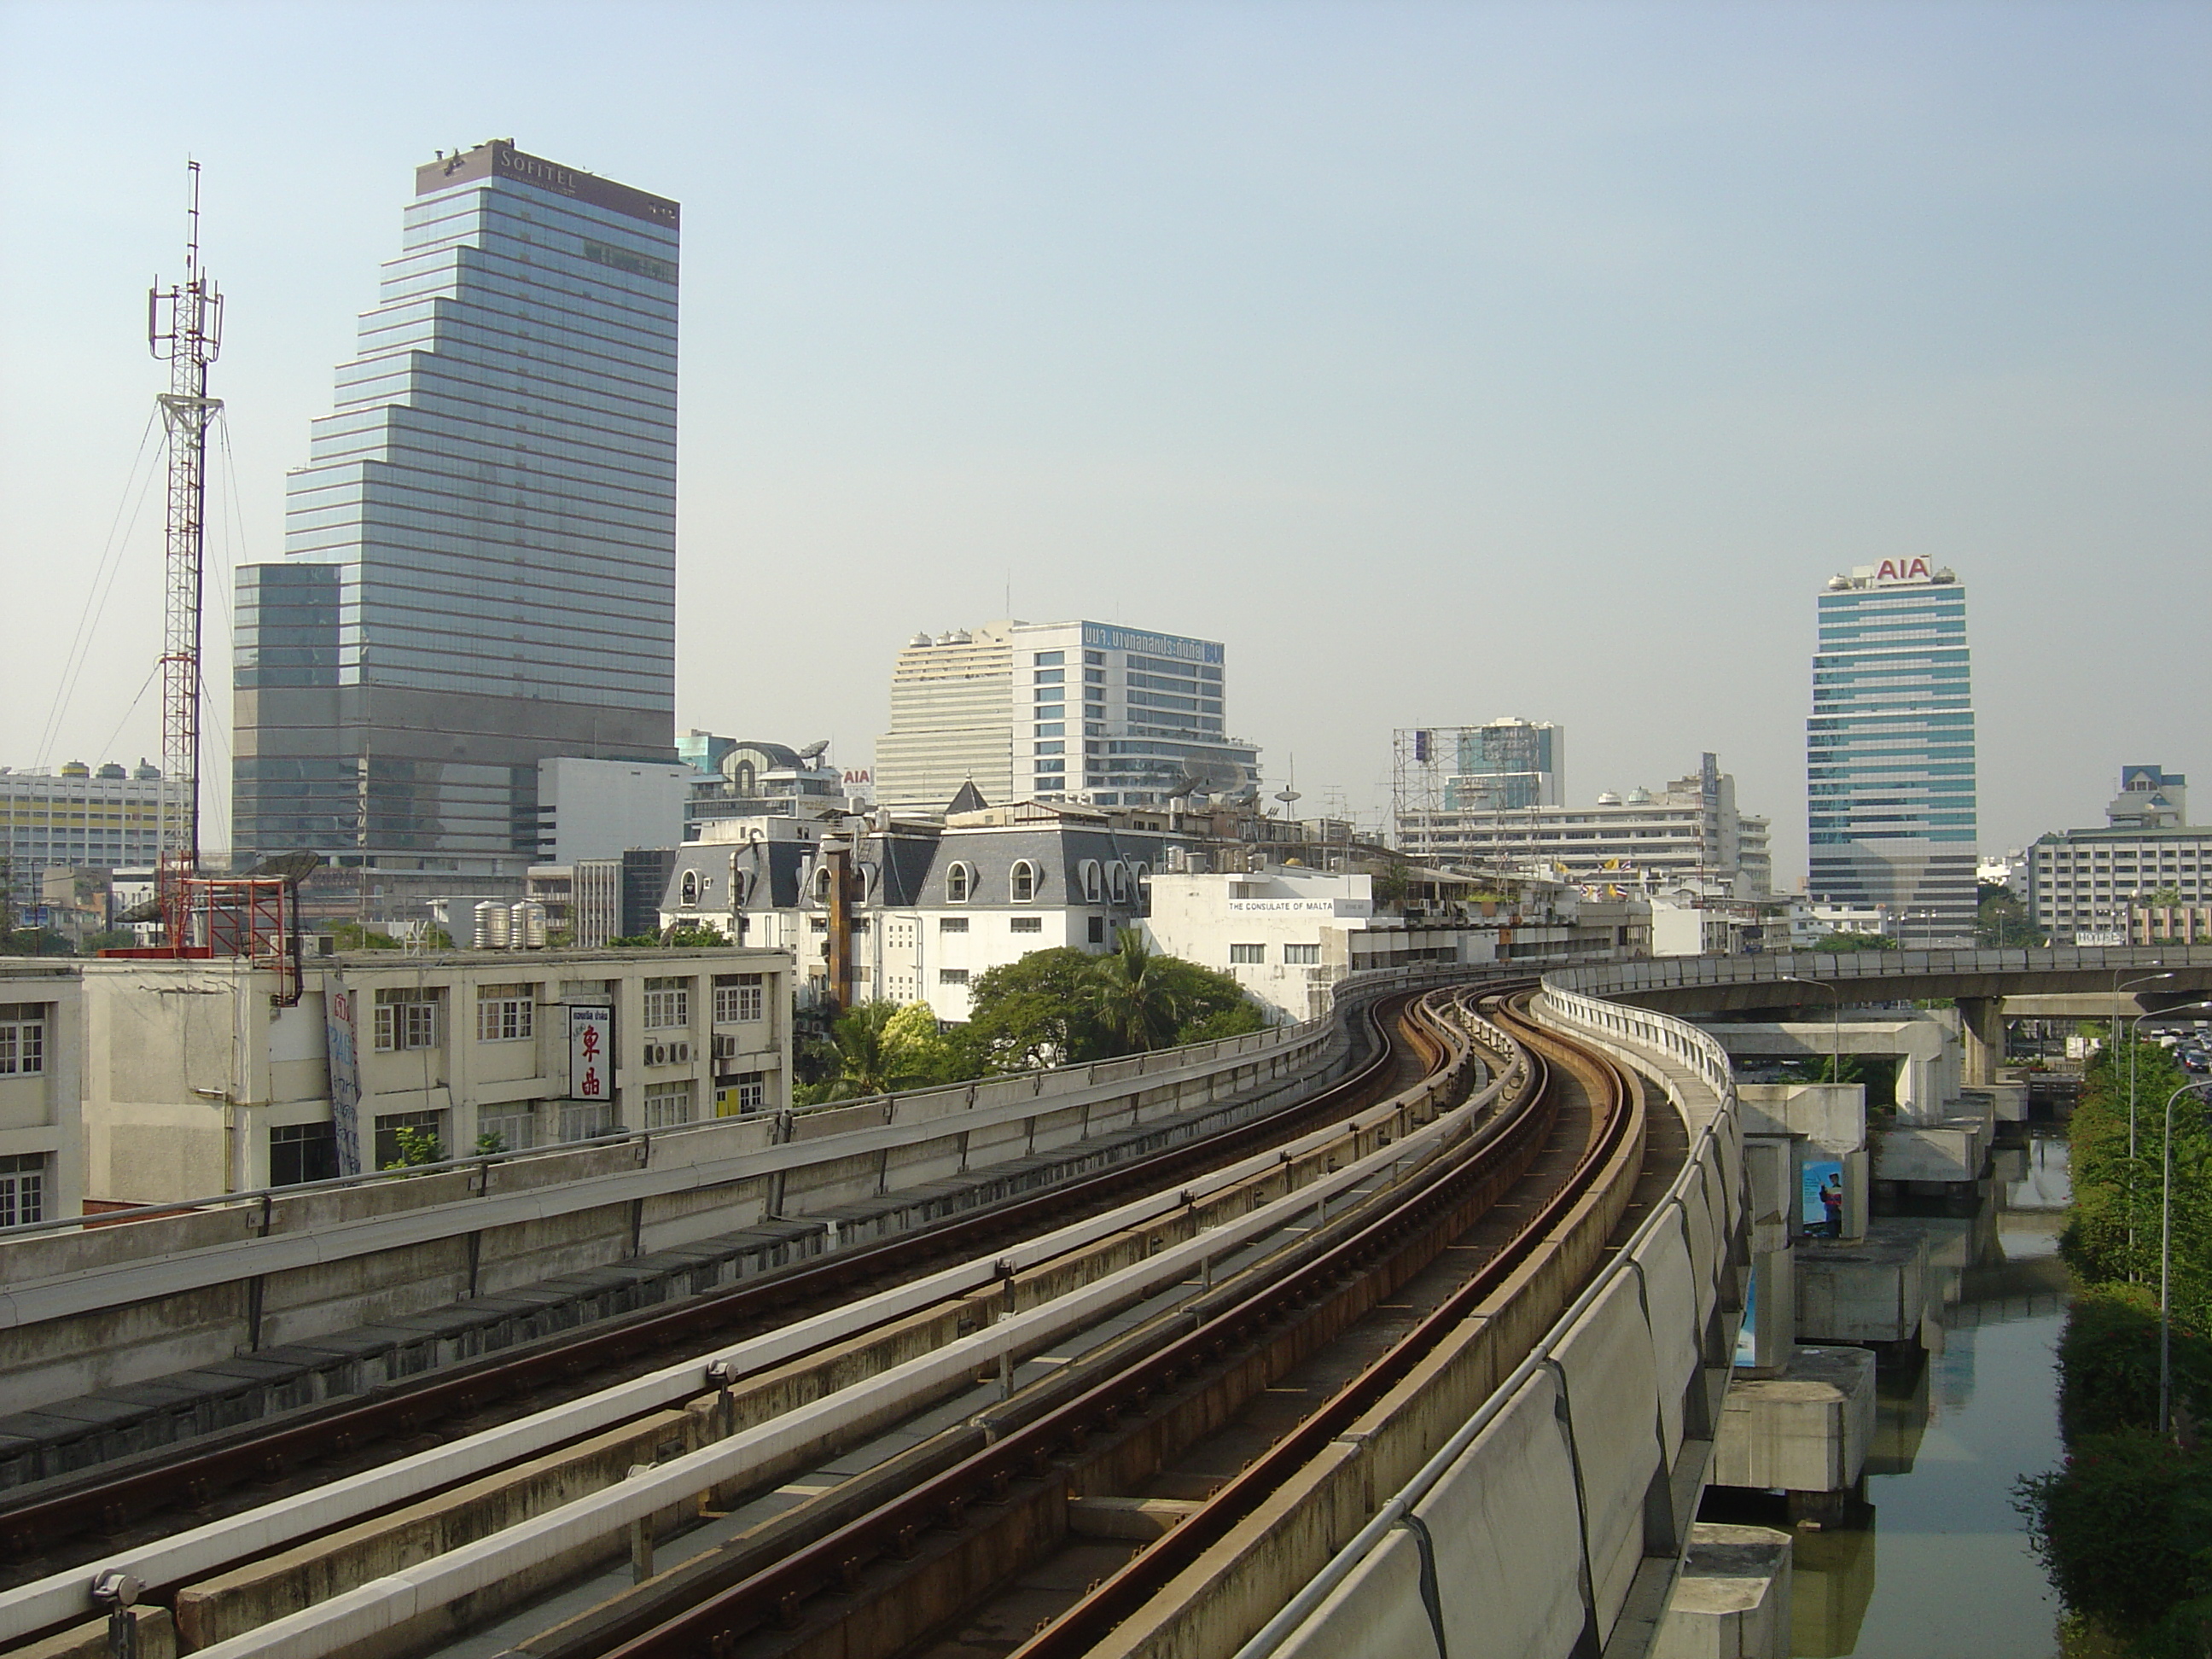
point(1545, 1511)
point(98, 1308)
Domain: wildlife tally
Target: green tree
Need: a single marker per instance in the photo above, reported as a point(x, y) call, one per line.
point(869, 1058)
point(111, 939)
point(490, 1143)
point(920, 1051)
point(2002, 921)
point(1846, 940)
point(2115, 1194)
point(684, 936)
point(359, 936)
point(1035, 1012)
point(1134, 996)
point(418, 1146)
point(2124, 1530)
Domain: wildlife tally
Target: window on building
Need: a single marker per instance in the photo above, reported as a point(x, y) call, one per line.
point(958, 880)
point(738, 998)
point(1300, 955)
point(953, 924)
point(408, 1018)
point(513, 1124)
point(22, 1038)
point(667, 1104)
point(1246, 953)
point(688, 896)
point(667, 1004)
point(1021, 886)
point(23, 1188)
point(429, 1135)
point(1048, 658)
point(302, 1151)
point(1097, 933)
point(747, 1092)
point(585, 1119)
point(1091, 881)
point(1118, 882)
point(506, 1013)
point(1027, 925)
point(953, 976)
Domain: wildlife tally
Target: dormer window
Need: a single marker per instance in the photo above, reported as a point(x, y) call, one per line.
point(1022, 885)
point(688, 896)
point(1091, 882)
point(959, 882)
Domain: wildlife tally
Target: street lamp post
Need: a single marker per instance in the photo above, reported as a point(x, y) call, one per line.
point(2149, 979)
point(1836, 1033)
point(2165, 1263)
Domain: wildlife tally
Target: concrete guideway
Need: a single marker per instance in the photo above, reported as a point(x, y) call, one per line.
point(43, 1605)
point(1551, 1519)
point(358, 1616)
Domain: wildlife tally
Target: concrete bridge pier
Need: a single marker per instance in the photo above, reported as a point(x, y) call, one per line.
point(1981, 1038)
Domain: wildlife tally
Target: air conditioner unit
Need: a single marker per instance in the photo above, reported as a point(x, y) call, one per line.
point(726, 1048)
point(656, 1054)
point(679, 1054)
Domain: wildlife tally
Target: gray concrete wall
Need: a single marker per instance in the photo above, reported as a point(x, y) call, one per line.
point(1551, 1522)
point(85, 1309)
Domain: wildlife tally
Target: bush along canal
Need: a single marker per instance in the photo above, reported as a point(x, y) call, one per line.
point(2123, 1521)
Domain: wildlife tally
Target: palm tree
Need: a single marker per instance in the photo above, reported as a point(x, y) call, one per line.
point(867, 1064)
point(1131, 997)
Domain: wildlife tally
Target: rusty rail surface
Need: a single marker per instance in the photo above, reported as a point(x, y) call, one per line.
point(404, 1410)
point(1373, 1254)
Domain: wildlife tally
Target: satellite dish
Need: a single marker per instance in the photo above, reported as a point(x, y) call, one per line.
point(289, 866)
point(815, 751)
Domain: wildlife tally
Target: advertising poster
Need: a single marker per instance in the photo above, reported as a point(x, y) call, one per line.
point(1821, 1209)
point(591, 1053)
point(1747, 1336)
point(341, 1039)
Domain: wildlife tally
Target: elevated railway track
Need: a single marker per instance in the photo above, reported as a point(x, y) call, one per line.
point(207, 1511)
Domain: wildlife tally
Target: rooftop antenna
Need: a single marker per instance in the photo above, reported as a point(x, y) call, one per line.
point(184, 327)
point(1288, 794)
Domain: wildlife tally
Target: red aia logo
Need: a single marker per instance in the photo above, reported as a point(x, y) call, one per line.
point(1903, 570)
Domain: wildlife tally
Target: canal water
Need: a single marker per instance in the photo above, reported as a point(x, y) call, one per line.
point(1936, 1565)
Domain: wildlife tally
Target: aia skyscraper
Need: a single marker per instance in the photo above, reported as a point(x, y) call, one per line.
point(1889, 751)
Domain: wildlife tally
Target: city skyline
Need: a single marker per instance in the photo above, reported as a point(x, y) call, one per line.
point(1438, 363)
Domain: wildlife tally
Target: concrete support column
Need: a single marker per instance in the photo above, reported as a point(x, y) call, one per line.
point(1981, 1036)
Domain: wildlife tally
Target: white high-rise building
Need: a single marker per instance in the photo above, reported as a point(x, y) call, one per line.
point(1889, 751)
point(1687, 835)
point(1055, 711)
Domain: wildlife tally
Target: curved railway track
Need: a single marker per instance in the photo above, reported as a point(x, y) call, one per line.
point(1188, 1435)
point(108, 1509)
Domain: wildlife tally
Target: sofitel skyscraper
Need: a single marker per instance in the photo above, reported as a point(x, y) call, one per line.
point(1890, 751)
point(480, 553)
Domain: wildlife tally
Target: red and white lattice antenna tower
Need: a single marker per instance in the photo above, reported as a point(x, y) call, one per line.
point(184, 327)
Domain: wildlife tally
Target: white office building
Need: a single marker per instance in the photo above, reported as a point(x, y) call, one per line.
point(75, 818)
point(1690, 833)
point(2082, 884)
point(1079, 711)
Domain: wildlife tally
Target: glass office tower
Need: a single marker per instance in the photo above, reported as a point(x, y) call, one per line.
point(480, 554)
point(1890, 751)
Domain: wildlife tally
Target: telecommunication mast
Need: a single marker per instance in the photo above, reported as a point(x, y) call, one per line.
point(184, 327)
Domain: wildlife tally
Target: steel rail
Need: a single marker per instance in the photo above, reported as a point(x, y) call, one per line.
point(1425, 1215)
point(1160, 1168)
point(403, 1409)
point(1083, 1626)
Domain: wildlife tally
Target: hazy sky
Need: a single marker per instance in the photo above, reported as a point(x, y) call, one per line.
point(1447, 362)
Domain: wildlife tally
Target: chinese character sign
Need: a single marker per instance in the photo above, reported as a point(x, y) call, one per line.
point(591, 1054)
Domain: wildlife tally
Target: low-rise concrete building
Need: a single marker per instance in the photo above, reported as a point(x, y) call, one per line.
point(135, 1081)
